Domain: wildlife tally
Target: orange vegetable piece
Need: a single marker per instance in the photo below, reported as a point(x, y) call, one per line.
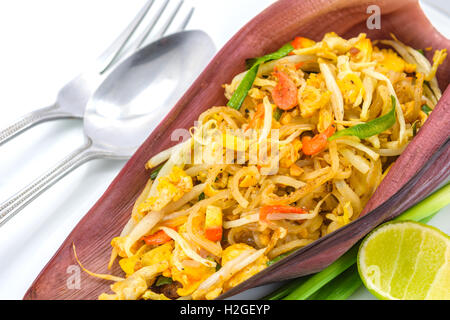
point(301, 42)
point(314, 145)
point(214, 234)
point(157, 238)
point(285, 92)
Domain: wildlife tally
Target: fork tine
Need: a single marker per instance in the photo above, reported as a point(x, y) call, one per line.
point(143, 36)
point(169, 21)
point(107, 58)
point(186, 20)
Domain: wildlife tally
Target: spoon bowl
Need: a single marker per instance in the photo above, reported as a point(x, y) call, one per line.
point(127, 106)
point(139, 93)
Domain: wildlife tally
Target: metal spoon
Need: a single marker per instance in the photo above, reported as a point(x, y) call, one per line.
point(127, 106)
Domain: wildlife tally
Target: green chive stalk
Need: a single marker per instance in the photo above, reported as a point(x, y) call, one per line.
point(241, 92)
point(318, 280)
point(341, 287)
point(309, 288)
point(370, 128)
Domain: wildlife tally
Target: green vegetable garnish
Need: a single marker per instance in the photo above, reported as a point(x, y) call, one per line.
point(278, 258)
point(421, 51)
point(246, 84)
point(163, 280)
point(371, 128)
point(414, 128)
point(341, 287)
point(277, 114)
point(201, 196)
point(155, 172)
point(426, 109)
point(318, 280)
point(250, 62)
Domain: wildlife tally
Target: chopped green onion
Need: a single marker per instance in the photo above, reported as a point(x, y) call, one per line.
point(277, 114)
point(278, 258)
point(421, 51)
point(246, 84)
point(371, 128)
point(318, 280)
point(201, 196)
point(426, 109)
point(433, 203)
point(250, 62)
point(284, 290)
point(340, 288)
point(163, 280)
point(155, 172)
point(241, 92)
point(414, 128)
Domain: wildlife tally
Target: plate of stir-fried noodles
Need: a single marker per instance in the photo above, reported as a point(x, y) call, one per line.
point(307, 135)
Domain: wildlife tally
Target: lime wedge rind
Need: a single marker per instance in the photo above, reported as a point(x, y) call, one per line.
point(405, 260)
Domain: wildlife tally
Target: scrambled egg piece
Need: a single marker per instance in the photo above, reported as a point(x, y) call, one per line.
point(290, 153)
point(363, 52)
point(135, 285)
point(249, 180)
point(336, 43)
point(314, 95)
point(235, 143)
point(118, 243)
point(210, 190)
point(190, 277)
point(144, 258)
point(170, 188)
point(352, 88)
point(233, 252)
point(326, 119)
point(349, 83)
point(150, 295)
point(389, 60)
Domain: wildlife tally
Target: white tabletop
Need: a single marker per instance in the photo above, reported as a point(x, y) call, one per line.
point(45, 44)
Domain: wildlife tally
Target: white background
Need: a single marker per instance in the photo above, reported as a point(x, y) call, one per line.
point(44, 44)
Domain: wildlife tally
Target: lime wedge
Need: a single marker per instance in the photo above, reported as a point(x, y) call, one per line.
point(406, 260)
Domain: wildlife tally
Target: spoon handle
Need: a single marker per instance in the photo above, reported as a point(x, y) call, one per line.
point(21, 199)
point(30, 119)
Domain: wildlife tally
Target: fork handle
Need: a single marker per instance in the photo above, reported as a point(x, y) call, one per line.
point(30, 119)
point(20, 200)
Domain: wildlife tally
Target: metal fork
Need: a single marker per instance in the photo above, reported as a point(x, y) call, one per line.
point(72, 98)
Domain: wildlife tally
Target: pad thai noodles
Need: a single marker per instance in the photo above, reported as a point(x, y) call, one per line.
point(307, 135)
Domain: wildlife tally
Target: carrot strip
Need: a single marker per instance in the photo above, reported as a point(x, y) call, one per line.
point(157, 238)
